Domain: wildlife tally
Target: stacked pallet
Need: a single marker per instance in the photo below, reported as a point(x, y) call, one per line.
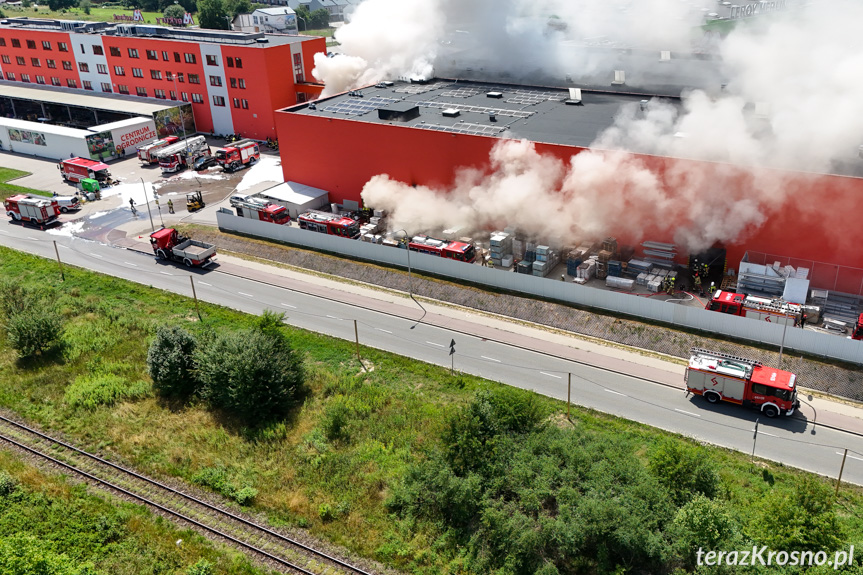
point(518, 247)
point(615, 268)
point(586, 270)
point(602, 264)
point(637, 267)
point(500, 247)
point(610, 245)
point(574, 259)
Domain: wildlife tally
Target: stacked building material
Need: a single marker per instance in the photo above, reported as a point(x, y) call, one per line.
point(615, 268)
point(500, 247)
point(620, 283)
point(518, 248)
point(573, 260)
point(524, 267)
point(642, 279)
point(586, 270)
point(602, 264)
point(610, 245)
point(654, 285)
point(637, 267)
point(659, 254)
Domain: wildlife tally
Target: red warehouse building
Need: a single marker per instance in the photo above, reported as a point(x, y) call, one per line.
point(234, 80)
point(423, 133)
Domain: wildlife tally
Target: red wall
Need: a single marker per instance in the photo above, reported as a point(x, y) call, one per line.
point(818, 218)
point(53, 54)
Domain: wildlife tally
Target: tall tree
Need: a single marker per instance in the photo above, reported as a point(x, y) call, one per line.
point(213, 14)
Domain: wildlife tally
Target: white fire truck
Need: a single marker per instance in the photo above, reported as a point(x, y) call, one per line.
point(721, 376)
point(38, 211)
point(776, 311)
point(238, 155)
point(182, 154)
point(147, 154)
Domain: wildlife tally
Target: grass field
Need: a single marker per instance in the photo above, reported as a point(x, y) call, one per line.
point(95, 15)
point(7, 190)
point(331, 465)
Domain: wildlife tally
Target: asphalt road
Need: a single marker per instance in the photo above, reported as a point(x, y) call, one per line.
point(792, 441)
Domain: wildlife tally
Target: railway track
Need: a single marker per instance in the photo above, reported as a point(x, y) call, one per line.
point(274, 548)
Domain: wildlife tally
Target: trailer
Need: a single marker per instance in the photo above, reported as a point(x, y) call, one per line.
point(33, 209)
point(169, 245)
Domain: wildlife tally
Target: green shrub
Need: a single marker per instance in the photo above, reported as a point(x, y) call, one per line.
point(201, 567)
point(216, 478)
point(7, 484)
point(34, 330)
point(170, 363)
point(325, 512)
point(246, 495)
point(685, 470)
point(104, 389)
point(703, 523)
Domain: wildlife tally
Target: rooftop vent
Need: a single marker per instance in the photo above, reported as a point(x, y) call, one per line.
point(451, 113)
point(399, 112)
point(574, 97)
point(312, 106)
point(262, 41)
point(492, 117)
point(619, 78)
point(355, 93)
point(494, 94)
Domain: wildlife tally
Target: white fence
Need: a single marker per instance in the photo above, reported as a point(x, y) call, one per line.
point(807, 341)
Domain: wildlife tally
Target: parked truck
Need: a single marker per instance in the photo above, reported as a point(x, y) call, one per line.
point(260, 209)
point(718, 376)
point(33, 209)
point(77, 169)
point(182, 154)
point(147, 153)
point(238, 155)
point(777, 311)
point(857, 331)
point(169, 245)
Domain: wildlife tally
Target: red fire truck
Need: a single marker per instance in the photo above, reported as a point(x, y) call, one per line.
point(77, 169)
point(857, 332)
point(772, 310)
point(36, 210)
point(147, 154)
point(181, 154)
point(458, 251)
point(332, 224)
point(238, 155)
point(720, 376)
point(258, 209)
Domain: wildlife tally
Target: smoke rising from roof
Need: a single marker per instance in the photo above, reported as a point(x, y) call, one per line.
point(793, 100)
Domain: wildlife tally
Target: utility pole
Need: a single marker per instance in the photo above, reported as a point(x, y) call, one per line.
point(357, 338)
point(149, 211)
point(452, 357)
point(56, 251)
point(841, 469)
point(195, 295)
point(568, 394)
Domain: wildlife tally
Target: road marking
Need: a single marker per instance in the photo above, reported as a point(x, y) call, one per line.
point(334, 317)
point(383, 330)
point(551, 375)
point(615, 392)
point(490, 358)
point(62, 246)
point(687, 412)
point(245, 294)
point(437, 344)
point(851, 456)
point(29, 238)
point(205, 284)
point(288, 305)
point(166, 273)
point(131, 264)
point(765, 433)
point(96, 256)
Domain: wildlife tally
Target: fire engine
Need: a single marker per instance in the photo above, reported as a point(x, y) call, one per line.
point(147, 154)
point(238, 155)
point(773, 310)
point(168, 245)
point(182, 154)
point(332, 224)
point(77, 169)
point(39, 211)
point(458, 251)
point(721, 376)
point(857, 332)
point(258, 209)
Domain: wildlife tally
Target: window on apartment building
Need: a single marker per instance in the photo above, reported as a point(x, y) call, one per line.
point(2, 41)
point(238, 62)
point(86, 85)
point(137, 73)
point(164, 55)
point(156, 74)
point(83, 49)
point(176, 56)
point(172, 94)
point(218, 101)
point(25, 77)
point(67, 65)
point(20, 60)
point(31, 44)
point(55, 81)
point(6, 59)
point(215, 81)
point(46, 45)
point(72, 83)
point(236, 102)
point(159, 94)
point(97, 50)
point(298, 68)
point(152, 55)
point(169, 76)
point(106, 87)
point(40, 79)
point(197, 98)
point(194, 79)
point(230, 61)
point(16, 43)
point(35, 62)
point(245, 104)
point(212, 60)
point(114, 51)
point(10, 76)
point(242, 83)
point(133, 52)
point(190, 58)
point(83, 67)
point(119, 71)
point(51, 63)
point(180, 77)
point(122, 88)
point(102, 68)
point(184, 96)
point(62, 46)
point(141, 91)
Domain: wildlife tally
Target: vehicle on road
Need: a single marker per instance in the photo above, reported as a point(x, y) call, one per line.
point(204, 162)
point(77, 169)
point(194, 201)
point(169, 245)
point(182, 154)
point(33, 209)
point(238, 155)
point(67, 203)
point(719, 376)
point(90, 188)
point(147, 154)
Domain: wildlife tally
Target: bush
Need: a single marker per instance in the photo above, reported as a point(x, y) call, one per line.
point(216, 478)
point(34, 330)
point(201, 567)
point(684, 470)
point(170, 362)
point(325, 512)
point(174, 11)
point(105, 389)
point(7, 484)
point(85, 5)
point(704, 523)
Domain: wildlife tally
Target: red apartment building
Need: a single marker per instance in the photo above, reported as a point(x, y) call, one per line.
point(234, 80)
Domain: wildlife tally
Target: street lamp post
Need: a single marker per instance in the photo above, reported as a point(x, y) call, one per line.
point(411, 279)
point(305, 26)
point(149, 211)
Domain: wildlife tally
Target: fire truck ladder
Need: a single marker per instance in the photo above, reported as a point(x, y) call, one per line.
point(723, 355)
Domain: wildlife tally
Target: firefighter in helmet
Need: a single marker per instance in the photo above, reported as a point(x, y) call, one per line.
point(170, 207)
